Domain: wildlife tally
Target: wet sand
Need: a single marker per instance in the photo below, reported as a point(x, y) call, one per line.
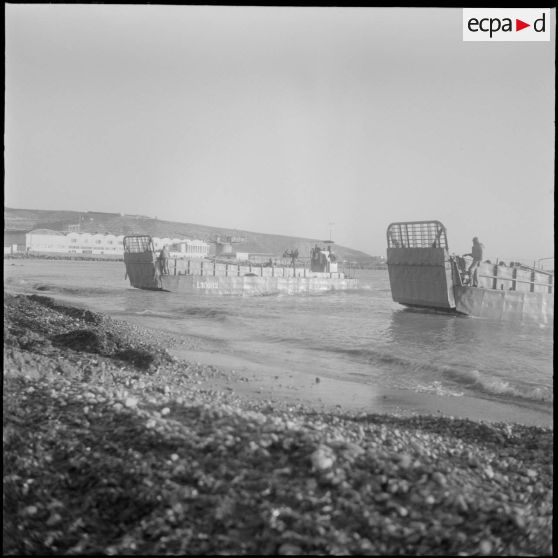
point(267, 381)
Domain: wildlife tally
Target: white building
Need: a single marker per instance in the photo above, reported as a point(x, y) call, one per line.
point(158, 243)
point(46, 240)
point(94, 243)
point(189, 249)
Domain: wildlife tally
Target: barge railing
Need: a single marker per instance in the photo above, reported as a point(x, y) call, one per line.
point(213, 268)
point(515, 277)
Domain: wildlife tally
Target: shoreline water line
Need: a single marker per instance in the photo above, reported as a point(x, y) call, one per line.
point(352, 339)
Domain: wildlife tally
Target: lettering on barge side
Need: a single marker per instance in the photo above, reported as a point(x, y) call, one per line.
point(207, 284)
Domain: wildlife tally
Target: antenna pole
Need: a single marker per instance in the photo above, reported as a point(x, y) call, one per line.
point(330, 227)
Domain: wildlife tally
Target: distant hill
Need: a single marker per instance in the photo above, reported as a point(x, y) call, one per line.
point(116, 223)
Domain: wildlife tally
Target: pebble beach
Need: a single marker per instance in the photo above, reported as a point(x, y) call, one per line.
point(114, 445)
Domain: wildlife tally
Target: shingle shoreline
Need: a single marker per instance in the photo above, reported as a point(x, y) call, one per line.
point(113, 446)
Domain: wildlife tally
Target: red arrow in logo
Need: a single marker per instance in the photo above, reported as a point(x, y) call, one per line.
point(519, 25)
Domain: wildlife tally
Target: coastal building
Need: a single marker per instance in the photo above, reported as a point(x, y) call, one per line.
point(255, 258)
point(46, 240)
point(14, 241)
point(94, 243)
point(189, 248)
point(158, 243)
point(50, 241)
point(105, 244)
point(224, 246)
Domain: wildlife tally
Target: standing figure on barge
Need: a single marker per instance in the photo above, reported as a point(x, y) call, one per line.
point(476, 254)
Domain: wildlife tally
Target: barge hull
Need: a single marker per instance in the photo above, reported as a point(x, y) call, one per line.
point(208, 284)
point(144, 275)
point(509, 306)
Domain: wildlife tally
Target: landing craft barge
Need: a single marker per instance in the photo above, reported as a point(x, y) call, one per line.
point(422, 273)
point(144, 270)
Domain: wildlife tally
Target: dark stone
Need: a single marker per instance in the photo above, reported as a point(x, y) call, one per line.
point(82, 340)
point(138, 357)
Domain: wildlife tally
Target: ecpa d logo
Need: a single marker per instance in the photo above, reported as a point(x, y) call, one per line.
point(501, 24)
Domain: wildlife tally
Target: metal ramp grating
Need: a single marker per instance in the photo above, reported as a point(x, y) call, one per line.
point(417, 234)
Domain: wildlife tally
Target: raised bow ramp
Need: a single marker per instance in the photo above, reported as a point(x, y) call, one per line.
point(423, 273)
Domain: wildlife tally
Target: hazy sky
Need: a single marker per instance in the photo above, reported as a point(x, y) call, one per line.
point(283, 120)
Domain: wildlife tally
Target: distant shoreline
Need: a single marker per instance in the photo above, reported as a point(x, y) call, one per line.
point(89, 257)
point(106, 258)
point(24, 220)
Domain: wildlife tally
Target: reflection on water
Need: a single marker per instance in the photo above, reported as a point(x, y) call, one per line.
point(423, 329)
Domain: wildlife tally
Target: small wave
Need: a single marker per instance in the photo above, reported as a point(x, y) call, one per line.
point(466, 377)
point(491, 385)
point(42, 287)
point(155, 314)
point(470, 379)
point(373, 356)
point(495, 386)
point(200, 312)
point(181, 313)
point(78, 291)
point(437, 388)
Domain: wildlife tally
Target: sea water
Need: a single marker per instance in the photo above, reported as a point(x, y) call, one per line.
point(358, 335)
